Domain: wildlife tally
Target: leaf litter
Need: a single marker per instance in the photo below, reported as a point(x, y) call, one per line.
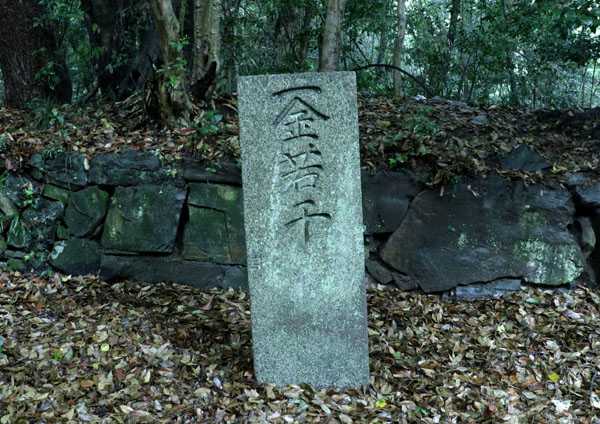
point(82, 350)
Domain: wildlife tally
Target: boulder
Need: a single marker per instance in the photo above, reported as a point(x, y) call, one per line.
point(386, 197)
point(36, 226)
point(588, 194)
point(215, 229)
point(85, 211)
point(156, 269)
point(127, 168)
point(143, 219)
point(66, 169)
point(524, 158)
point(486, 229)
point(76, 256)
point(19, 192)
point(56, 193)
point(224, 173)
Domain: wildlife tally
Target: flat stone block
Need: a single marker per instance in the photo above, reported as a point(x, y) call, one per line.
point(304, 230)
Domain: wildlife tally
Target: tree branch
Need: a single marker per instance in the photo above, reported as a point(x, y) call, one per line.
point(420, 83)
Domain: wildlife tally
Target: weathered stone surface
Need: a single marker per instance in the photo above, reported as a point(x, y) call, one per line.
point(155, 269)
point(225, 173)
point(143, 219)
point(56, 193)
point(484, 230)
point(127, 168)
point(35, 226)
point(85, 211)
point(41, 220)
point(20, 190)
point(68, 169)
point(76, 256)
point(303, 220)
point(386, 197)
point(588, 194)
point(215, 229)
point(524, 158)
point(492, 290)
point(386, 276)
point(19, 235)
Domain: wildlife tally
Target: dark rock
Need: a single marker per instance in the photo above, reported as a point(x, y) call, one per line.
point(386, 197)
point(85, 211)
point(143, 219)
point(67, 170)
point(19, 234)
point(62, 232)
point(15, 265)
point(7, 206)
point(56, 193)
point(215, 230)
point(492, 290)
point(131, 167)
point(156, 269)
point(226, 173)
point(76, 256)
point(15, 254)
point(588, 194)
point(384, 275)
point(524, 158)
point(484, 230)
point(41, 221)
point(20, 190)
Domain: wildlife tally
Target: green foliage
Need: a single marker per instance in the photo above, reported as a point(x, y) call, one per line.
point(208, 123)
point(46, 114)
point(174, 72)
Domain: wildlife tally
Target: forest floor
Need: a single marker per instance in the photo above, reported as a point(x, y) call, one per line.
point(81, 350)
point(438, 137)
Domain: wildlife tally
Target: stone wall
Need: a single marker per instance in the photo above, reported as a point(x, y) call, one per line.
point(129, 216)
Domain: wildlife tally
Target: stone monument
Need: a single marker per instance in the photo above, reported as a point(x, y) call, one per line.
point(304, 230)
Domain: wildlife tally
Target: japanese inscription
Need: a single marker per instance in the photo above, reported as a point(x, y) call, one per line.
point(303, 225)
point(300, 164)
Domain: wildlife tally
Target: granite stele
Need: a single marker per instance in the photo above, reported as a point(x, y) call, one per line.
point(304, 232)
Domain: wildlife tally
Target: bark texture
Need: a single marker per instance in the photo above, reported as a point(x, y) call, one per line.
point(332, 36)
point(111, 26)
point(27, 47)
point(207, 46)
point(174, 102)
point(399, 47)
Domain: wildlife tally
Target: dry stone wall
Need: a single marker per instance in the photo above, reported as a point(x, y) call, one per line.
point(129, 216)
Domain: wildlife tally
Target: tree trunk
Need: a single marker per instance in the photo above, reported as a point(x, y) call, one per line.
point(510, 66)
point(112, 24)
point(32, 66)
point(399, 47)
point(207, 45)
point(174, 102)
point(452, 28)
point(332, 36)
point(230, 39)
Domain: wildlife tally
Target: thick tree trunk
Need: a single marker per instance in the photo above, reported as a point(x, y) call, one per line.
point(399, 47)
point(112, 24)
point(230, 38)
point(291, 35)
point(174, 102)
point(329, 54)
point(207, 46)
point(31, 64)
